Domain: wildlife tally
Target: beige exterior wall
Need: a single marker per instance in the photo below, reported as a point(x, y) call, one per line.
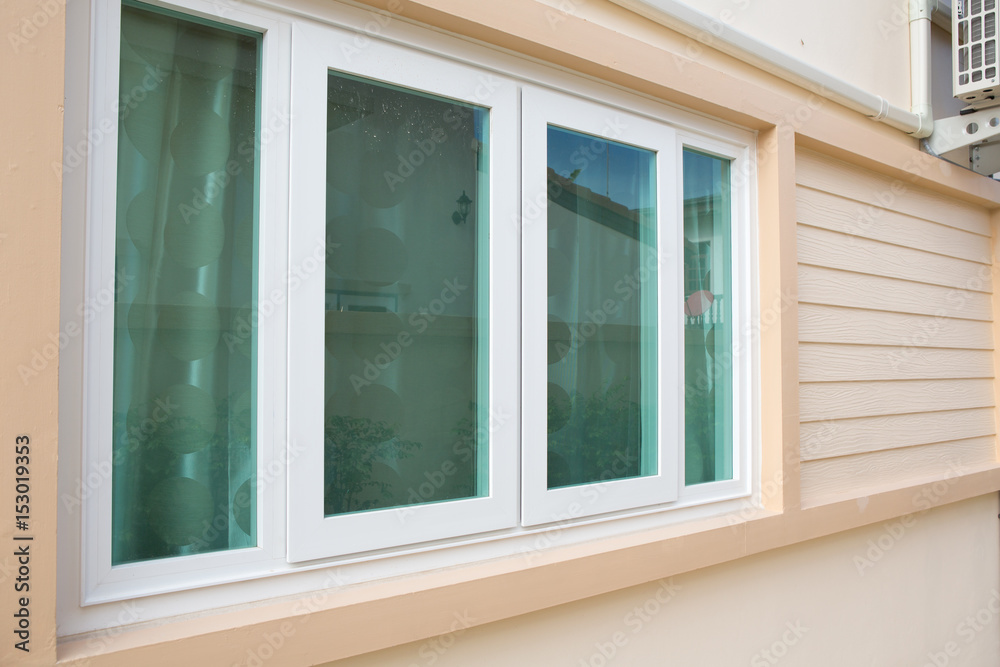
point(865, 43)
point(898, 593)
point(852, 444)
point(31, 76)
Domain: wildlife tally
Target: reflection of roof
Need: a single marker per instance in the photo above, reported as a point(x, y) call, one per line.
point(700, 218)
point(701, 202)
point(584, 201)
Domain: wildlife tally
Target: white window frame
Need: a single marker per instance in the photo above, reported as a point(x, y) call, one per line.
point(541, 109)
point(316, 51)
point(250, 575)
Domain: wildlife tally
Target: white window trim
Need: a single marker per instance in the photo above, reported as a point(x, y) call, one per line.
point(248, 576)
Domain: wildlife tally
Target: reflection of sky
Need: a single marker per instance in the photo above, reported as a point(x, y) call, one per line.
point(622, 173)
point(702, 175)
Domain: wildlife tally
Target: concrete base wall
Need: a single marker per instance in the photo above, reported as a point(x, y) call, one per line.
point(921, 590)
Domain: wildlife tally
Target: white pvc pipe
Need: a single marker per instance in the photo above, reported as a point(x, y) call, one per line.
point(920, 66)
point(713, 33)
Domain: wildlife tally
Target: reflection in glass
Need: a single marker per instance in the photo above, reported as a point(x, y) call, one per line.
point(602, 283)
point(708, 333)
point(185, 343)
point(406, 329)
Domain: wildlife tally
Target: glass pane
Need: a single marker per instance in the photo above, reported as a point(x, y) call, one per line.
point(184, 467)
point(602, 268)
point(708, 330)
point(406, 308)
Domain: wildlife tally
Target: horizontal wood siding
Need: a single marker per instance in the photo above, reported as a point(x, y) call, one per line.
point(846, 400)
point(895, 332)
point(834, 250)
point(839, 214)
point(830, 324)
point(830, 480)
point(821, 285)
point(819, 172)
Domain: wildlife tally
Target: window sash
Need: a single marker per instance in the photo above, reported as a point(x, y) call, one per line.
point(184, 467)
point(311, 535)
point(744, 332)
point(540, 109)
point(100, 581)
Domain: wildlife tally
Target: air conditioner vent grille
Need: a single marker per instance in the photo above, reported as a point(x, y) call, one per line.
point(974, 38)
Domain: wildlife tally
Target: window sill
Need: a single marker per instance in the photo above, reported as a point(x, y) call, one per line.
point(429, 604)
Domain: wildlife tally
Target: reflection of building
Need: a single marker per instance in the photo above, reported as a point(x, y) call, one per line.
point(592, 205)
point(870, 410)
point(602, 409)
point(700, 254)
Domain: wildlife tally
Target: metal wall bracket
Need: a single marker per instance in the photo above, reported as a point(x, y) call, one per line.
point(969, 140)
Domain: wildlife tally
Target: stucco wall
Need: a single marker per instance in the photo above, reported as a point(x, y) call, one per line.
point(887, 594)
point(866, 43)
point(31, 59)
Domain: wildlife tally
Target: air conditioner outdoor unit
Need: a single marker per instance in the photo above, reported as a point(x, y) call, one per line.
point(974, 51)
point(972, 137)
